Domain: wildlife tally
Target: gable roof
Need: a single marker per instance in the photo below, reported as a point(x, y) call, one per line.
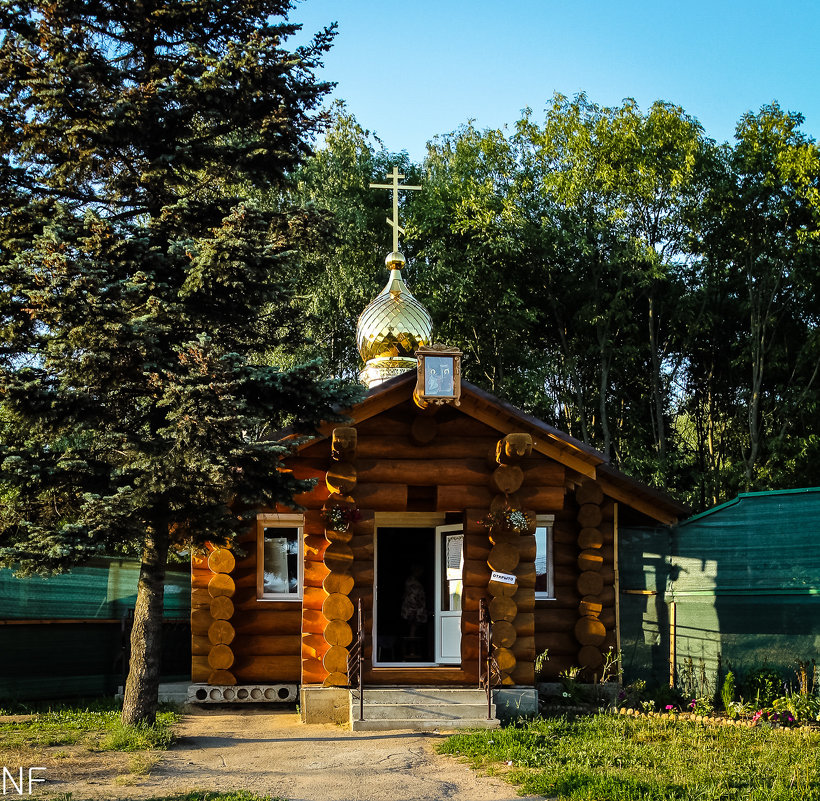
point(581, 460)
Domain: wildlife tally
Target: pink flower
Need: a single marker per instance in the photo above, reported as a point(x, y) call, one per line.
point(669, 706)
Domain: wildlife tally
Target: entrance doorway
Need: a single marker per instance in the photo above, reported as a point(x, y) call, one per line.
point(417, 595)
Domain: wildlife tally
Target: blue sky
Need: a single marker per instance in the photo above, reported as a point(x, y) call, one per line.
point(411, 70)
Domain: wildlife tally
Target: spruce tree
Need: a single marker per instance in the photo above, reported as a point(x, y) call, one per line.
point(140, 286)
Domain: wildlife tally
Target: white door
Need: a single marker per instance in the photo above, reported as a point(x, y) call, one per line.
point(449, 567)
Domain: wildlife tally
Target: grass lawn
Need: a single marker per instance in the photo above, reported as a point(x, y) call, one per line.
point(613, 758)
point(95, 725)
point(75, 740)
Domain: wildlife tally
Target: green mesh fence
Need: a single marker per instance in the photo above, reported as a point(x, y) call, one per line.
point(644, 575)
point(736, 588)
point(106, 588)
point(62, 636)
point(759, 541)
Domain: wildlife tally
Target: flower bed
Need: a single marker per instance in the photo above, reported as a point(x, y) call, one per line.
point(760, 717)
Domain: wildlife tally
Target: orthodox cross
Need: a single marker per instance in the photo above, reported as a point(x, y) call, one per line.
point(395, 186)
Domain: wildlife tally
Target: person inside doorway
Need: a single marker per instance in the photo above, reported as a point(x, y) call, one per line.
point(414, 611)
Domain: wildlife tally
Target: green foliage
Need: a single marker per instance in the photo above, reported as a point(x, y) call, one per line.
point(142, 285)
point(146, 270)
point(694, 679)
point(638, 695)
point(757, 229)
point(702, 706)
point(667, 699)
point(340, 272)
point(610, 270)
point(762, 686)
point(632, 695)
point(574, 691)
point(100, 729)
point(727, 691)
point(472, 241)
point(797, 708)
point(647, 760)
point(541, 663)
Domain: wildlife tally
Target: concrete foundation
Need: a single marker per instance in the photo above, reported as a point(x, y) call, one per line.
point(598, 694)
point(241, 694)
point(324, 704)
point(515, 702)
point(175, 692)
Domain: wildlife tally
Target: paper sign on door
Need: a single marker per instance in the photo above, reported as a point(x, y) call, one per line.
point(455, 556)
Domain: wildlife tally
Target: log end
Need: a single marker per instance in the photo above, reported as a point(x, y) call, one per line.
point(221, 560)
point(222, 678)
point(220, 657)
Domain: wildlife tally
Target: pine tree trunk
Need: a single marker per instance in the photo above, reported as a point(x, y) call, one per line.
point(142, 687)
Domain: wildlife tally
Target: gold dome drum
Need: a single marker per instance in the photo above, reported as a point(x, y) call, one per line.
point(394, 325)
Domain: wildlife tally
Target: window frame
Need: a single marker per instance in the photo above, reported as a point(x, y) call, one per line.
point(547, 522)
point(266, 521)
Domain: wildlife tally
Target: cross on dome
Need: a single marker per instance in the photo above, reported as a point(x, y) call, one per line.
point(395, 186)
point(394, 325)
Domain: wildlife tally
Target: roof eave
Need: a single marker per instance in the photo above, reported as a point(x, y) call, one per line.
point(548, 440)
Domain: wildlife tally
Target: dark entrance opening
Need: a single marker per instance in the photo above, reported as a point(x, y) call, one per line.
point(405, 595)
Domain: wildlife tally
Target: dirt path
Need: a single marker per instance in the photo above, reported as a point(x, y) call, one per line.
point(272, 753)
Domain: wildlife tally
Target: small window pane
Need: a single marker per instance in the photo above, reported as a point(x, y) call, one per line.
point(452, 546)
point(541, 560)
point(281, 562)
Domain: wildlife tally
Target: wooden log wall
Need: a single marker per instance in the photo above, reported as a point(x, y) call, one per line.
point(212, 607)
point(589, 631)
point(363, 571)
point(475, 578)
point(266, 643)
point(313, 643)
point(400, 464)
point(406, 461)
point(509, 601)
point(338, 582)
point(221, 633)
point(565, 625)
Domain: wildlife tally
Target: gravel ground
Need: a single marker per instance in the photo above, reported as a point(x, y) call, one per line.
point(272, 753)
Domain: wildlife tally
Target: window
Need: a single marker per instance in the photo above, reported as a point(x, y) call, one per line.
point(279, 557)
point(544, 587)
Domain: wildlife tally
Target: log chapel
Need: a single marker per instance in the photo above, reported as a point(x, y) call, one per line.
point(450, 539)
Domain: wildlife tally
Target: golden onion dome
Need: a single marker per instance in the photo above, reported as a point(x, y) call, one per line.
point(394, 325)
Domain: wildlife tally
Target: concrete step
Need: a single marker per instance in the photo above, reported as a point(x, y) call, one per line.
point(420, 709)
point(421, 695)
point(440, 712)
point(422, 724)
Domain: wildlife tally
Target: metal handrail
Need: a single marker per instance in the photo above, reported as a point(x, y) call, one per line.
point(488, 672)
point(355, 661)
